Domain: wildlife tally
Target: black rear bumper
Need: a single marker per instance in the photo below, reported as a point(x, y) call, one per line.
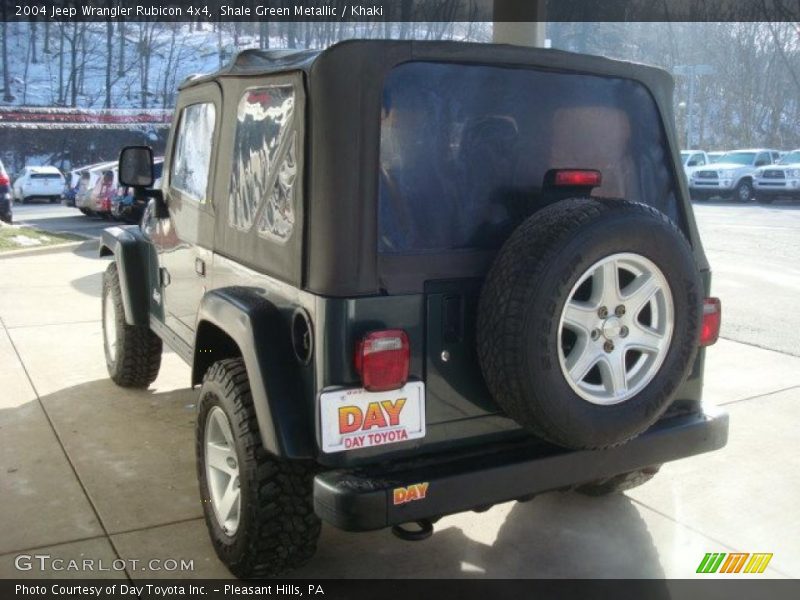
point(357, 500)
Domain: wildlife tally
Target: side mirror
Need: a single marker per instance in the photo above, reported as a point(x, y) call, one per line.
point(136, 166)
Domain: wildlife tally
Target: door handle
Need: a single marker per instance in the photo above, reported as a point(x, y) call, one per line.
point(200, 267)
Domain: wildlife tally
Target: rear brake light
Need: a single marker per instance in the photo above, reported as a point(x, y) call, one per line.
point(382, 359)
point(577, 178)
point(712, 319)
point(4, 180)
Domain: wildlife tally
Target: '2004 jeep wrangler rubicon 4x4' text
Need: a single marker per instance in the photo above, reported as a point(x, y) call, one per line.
point(414, 279)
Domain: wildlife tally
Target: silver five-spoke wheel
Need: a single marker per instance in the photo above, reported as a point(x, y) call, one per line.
point(222, 470)
point(110, 326)
point(615, 328)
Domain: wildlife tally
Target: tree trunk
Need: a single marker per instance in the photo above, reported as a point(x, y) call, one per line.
point(121, 62)
point(62, 96)
point(7, 96)
point(109, 54)
point(34, 57)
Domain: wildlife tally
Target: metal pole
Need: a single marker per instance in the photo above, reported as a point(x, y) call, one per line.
point(689, 110)
point(527, 27)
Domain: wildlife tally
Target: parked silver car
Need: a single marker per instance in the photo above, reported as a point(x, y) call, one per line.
point(732, 176)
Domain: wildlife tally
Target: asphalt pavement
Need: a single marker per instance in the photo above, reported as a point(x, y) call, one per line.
point(92, 471)
point(57, 218)
point(754, 253)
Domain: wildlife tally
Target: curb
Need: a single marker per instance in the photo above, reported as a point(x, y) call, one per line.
point(87, 244)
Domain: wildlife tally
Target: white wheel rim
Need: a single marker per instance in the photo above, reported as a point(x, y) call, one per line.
point(615, 329)
point(222, 470)
point(110, 326)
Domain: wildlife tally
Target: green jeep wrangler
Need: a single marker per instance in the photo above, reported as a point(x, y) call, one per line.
point(413, 279)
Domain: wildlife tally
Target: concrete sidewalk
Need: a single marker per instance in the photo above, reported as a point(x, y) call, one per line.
point(91, 471)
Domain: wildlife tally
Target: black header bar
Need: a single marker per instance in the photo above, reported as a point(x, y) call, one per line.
point(402, 10)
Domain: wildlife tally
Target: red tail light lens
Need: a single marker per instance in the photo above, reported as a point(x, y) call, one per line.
point(4, 180)
point(382, 360)
point(578, 178)
point(712, 319)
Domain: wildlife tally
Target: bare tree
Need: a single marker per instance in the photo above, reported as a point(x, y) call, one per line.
point(109, 61)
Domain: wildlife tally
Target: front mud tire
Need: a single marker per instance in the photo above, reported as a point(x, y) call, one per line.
point(133, 352)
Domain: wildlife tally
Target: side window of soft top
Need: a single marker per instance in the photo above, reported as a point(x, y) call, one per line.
point(262, 187)
point(191, 157)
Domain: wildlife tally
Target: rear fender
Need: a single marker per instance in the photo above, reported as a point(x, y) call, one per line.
point(263, 338)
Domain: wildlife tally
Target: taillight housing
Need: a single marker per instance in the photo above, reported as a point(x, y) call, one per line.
point(712, 319)
point(382, 360)
point(577, 178)
point(4, 180)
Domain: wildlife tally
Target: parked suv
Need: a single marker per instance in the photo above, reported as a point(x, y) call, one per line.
point(730, 177)
point(405, 294)
point(781, 180)
point(39, 182)
point(6, 204)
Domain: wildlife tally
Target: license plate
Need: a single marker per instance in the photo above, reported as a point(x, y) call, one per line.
point(355, 418)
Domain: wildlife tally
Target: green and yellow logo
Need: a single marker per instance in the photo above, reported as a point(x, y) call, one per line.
point(735, 562)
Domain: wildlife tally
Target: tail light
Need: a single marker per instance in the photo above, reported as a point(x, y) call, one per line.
point(382, 359)
point(577, 178)
point(712, 319)
point(4, 180)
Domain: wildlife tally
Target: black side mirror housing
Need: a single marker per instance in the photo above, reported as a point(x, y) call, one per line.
point(136, 171)
point(136, 166)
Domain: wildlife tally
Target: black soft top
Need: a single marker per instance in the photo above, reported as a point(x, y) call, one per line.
point(344, 85)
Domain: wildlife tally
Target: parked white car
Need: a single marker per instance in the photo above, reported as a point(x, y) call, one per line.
point(779, 180)
point(38, 182)
point(732, 176)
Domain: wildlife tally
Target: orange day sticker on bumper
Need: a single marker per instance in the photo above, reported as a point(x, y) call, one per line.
point(415, 491)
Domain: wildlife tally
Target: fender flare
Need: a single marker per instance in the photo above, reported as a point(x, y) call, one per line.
point(133, 254)
point(263, 337)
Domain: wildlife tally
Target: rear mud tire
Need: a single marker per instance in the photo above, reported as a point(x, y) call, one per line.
point(277, 528)
point(618, 483)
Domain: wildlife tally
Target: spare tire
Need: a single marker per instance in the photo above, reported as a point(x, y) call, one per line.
point(589, 320)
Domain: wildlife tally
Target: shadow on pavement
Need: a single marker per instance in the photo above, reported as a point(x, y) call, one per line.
point(134, 454)
point(91, 285)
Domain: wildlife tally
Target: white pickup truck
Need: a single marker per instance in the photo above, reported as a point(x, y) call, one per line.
point(779, 180)
point(731, 177)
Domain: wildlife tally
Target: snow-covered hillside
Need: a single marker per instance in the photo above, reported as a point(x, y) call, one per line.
point(145, 62)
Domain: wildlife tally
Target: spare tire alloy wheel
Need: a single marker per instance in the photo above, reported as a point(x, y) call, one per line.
point(589, 321)
point(613, 339)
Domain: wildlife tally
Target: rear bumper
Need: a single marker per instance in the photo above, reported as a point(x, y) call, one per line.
point(357, 500)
